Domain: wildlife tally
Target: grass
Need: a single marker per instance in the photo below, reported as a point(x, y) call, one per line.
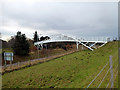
point(75, 70)
point(35, 55)
point(7, 50)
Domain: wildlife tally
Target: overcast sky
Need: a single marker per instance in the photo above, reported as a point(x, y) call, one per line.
point(88, 19)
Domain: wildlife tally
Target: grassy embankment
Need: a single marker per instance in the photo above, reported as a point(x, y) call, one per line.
point(75, 70)
point(37, 54)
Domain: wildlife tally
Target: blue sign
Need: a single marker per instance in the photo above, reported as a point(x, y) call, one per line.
point(8, 56)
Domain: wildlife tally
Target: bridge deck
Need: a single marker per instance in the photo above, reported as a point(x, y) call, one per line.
point(50, 41)
point(84, 43)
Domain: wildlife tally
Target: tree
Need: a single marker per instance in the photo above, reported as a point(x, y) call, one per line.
point(21, 45)
point(44, 38)
point(36, 37)
point(11, 42)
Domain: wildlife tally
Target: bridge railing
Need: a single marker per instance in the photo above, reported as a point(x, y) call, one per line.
point(94, 39)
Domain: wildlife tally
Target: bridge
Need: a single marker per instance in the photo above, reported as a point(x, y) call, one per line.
point(90, 44)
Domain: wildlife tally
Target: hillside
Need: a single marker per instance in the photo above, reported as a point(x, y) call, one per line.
point(75, 70)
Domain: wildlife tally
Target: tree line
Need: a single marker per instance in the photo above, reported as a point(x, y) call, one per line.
point(36, 37)
point(21, 44)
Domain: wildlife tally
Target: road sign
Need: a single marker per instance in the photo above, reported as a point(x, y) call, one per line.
point(8, 56)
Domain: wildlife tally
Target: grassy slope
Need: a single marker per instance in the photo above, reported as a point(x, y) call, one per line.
point(71, 71)
point(34, 55)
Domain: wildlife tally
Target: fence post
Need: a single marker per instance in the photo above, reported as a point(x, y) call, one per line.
point(111, 72)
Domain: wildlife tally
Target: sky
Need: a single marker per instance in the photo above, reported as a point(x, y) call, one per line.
point(80, 19)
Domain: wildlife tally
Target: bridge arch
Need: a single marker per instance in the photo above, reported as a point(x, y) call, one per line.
point(90, 44)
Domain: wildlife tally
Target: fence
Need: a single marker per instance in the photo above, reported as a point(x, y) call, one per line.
point(109, 72)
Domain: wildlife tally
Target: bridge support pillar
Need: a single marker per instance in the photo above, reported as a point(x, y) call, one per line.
point(38, 46)
point(77, 45)
point(41, 46)
point(82, 47)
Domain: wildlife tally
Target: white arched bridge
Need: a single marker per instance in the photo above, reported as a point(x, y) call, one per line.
point(88, 43)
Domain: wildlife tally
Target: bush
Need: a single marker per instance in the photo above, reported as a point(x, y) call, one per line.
point(33, 48)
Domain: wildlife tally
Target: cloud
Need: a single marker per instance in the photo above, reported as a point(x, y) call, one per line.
point(78, 19)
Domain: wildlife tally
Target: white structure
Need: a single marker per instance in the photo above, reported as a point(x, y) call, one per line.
point(90, 44)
